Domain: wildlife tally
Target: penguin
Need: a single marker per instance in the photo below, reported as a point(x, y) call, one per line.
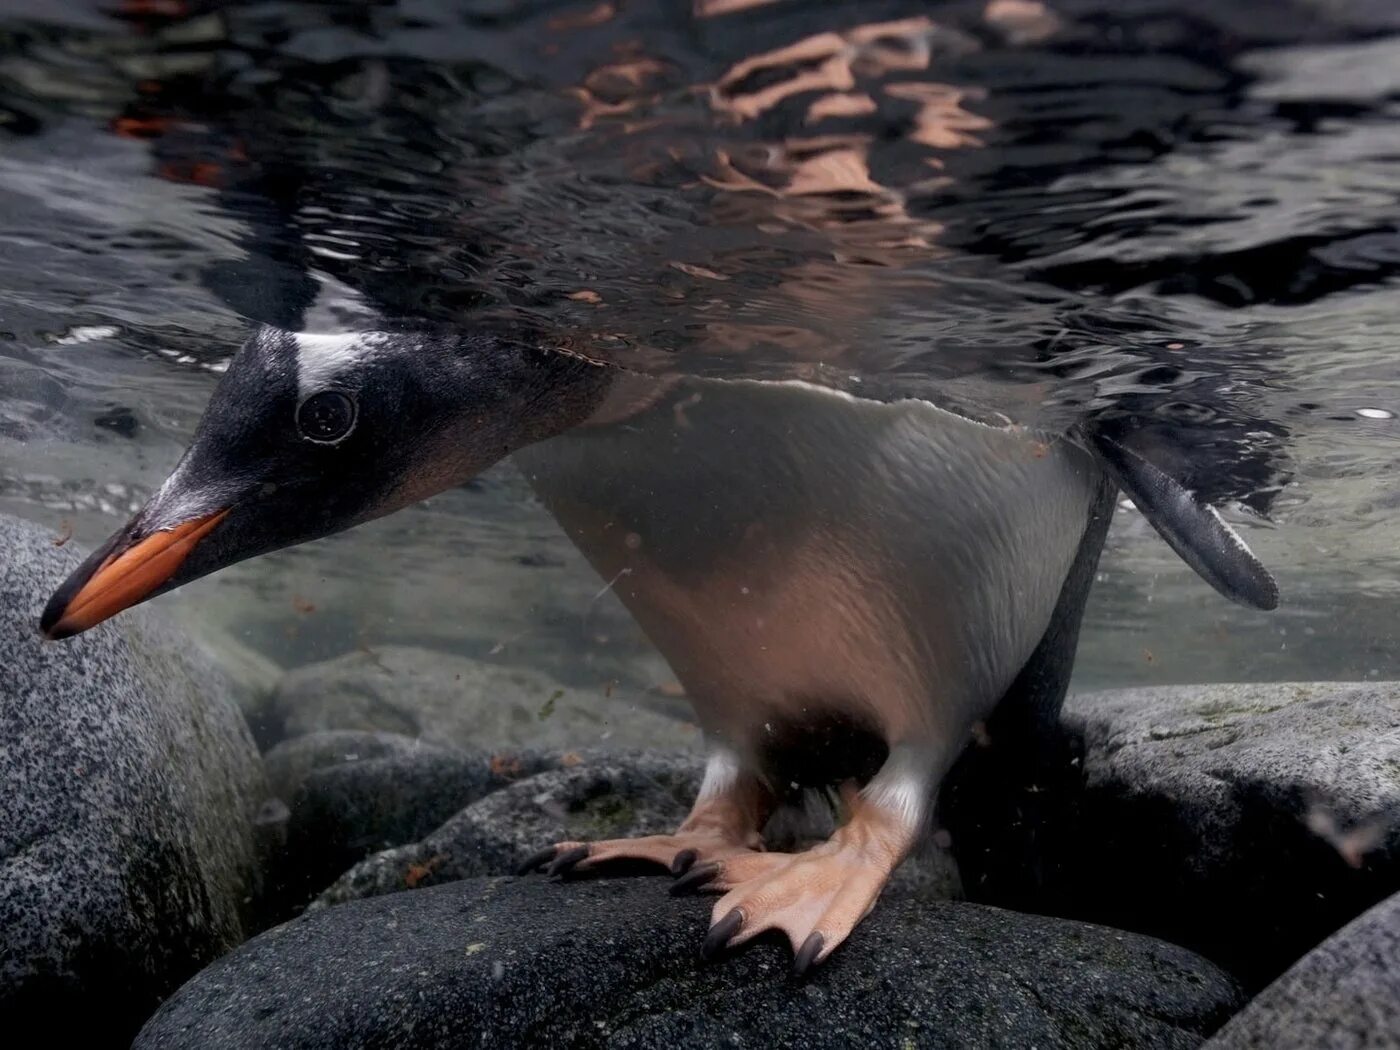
point(844, 586)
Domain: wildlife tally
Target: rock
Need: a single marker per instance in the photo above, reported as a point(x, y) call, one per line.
point(1245, 821)
point(594, 796)
point(350, 794)
point(254, 676)
point(1342, 995)
point(289, 763)
point(129, 780)
point(613, 963)
point(456, 702)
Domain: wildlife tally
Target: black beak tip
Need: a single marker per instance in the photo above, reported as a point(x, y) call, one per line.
point(57, 606)
point(52, 616)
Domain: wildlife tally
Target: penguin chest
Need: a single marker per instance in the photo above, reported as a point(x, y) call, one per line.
point(815, 566)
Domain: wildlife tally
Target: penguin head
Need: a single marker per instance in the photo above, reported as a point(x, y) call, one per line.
point(307, 435)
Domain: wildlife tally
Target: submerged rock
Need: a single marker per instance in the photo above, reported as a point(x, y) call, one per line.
point(453, 701)
point(349, 794)
point(593, 796)
point(1342, 995)
point(129, 785)
point(594, 963)
point(1246, 821)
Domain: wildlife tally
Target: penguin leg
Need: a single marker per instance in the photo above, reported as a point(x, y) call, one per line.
point(817, 897)
point(725, 822)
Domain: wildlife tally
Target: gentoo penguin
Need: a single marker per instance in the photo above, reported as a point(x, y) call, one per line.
point(845, 587)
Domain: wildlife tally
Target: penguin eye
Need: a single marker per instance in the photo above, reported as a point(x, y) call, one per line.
point(326, 417)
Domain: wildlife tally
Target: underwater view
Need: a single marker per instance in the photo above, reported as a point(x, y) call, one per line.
point(760, 523)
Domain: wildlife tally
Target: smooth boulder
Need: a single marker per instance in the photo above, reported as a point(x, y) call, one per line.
point(614, 963)
point(1246, 821)
point(591, 796)
point(346, 795)
point(1342, 995)
point(130, 784)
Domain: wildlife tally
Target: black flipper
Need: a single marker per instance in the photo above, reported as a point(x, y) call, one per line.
point(1193, 528)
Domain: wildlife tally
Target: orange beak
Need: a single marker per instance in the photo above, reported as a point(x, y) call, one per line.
point(126, 577)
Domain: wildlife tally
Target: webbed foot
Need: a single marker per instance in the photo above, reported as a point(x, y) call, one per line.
point(816, 898)
point(723, 825)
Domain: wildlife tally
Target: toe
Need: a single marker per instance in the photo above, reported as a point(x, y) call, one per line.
point(566, 859)
point(808, 955)
point(695, 878)
point(534, 860)
point(685, 859)
point(720, 933)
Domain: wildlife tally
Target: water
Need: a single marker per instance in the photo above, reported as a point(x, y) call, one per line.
point(1169, 212)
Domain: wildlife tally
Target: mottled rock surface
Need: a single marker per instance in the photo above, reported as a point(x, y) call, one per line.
point(594, 963)
point(1245, 821)
point(452, 701)
point(129, 785)
point(1342, 995)
point(594, 796)
point(348, 794)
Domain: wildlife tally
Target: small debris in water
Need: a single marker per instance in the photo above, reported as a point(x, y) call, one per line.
point(418, 872)
point(504, 766)
point(1375, 413)
point(303, 605)
point(548, 708)
point(1353, 843)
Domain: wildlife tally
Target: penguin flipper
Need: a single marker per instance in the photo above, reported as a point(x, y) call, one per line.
point(1192, 527)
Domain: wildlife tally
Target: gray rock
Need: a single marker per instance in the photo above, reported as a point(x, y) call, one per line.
point(350, 794)
point(253, 675)
point(613, 963)
point(456, 702)
point(1245, 821)
point(289, 763)
point(130, 782)
point(1342, 995)
point(595, 796)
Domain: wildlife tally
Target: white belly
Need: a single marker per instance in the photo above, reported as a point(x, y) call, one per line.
point(789, 548)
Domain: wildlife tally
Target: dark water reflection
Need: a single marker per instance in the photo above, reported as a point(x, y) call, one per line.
point(1166, 213)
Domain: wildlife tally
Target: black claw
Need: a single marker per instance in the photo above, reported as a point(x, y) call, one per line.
point(685, 859)
point(695, 878)
point(720, 932)
point(564, 862)
point(807, 954)
point(535, 860)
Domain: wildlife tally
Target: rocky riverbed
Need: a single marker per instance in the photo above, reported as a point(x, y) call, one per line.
point(1214, 865)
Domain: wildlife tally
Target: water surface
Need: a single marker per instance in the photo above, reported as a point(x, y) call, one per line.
point(1157, 212)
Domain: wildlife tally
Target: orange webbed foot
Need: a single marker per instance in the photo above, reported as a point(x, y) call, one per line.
point(723, 826)
point(677, 852)
point(816, 898)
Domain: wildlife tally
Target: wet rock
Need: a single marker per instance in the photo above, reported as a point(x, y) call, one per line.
point(129, 780)
point(289, 763)
point(594, 963)
point(254, 676)
point(1246, 821)
point(594, 796)
point(351, 794)
point(1342, 995)
point(453, 701)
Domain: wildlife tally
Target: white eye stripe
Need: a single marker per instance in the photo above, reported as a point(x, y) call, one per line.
point(323, 358)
